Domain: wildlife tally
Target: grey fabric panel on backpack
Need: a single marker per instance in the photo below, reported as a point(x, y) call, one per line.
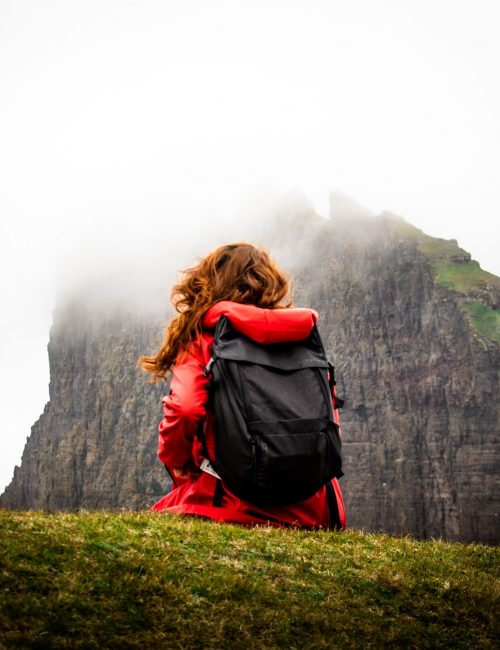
point(231, 345)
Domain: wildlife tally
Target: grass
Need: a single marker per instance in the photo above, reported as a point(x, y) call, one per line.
point(453, 268)
point(143, 580)
point(485, 319)
point(464, 277)
point(452, 265)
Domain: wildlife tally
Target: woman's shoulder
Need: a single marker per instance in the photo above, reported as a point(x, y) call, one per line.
point(264, 324)
point(200, 349)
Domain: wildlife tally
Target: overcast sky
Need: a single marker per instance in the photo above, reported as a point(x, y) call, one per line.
point(125, 122)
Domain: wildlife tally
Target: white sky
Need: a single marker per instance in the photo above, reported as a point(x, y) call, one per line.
point(123, 123)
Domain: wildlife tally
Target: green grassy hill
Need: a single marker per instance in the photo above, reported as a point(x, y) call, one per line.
point(142, 580)
point(453, 268)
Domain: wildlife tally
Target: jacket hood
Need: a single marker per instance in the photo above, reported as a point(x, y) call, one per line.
point(264, 325)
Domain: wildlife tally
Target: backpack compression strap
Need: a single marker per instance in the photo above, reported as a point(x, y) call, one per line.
point(339, 403)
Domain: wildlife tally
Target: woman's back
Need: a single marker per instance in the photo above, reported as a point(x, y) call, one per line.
point(225, 284)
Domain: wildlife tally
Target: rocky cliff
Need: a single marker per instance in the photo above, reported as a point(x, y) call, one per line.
point(413, 327)
point(94, 445)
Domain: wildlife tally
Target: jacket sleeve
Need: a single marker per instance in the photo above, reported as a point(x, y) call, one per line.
point(183, 409)
point(265, 325)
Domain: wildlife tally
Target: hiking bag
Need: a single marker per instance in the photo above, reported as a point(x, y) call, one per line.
point(276, 438)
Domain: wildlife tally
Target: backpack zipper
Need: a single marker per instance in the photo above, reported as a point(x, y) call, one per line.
point(254, 458)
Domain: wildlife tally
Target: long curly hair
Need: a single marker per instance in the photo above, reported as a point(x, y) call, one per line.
point(239, 272)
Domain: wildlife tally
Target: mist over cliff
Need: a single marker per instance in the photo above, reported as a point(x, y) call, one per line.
point(412, 325)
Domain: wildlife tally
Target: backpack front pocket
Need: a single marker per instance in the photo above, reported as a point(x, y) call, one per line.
point(291, 458)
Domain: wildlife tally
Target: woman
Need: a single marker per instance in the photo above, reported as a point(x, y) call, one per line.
point(241, 282)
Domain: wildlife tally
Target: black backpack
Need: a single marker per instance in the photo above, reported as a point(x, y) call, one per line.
point(276, 439)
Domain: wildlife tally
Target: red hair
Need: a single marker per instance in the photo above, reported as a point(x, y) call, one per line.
point(238, 272)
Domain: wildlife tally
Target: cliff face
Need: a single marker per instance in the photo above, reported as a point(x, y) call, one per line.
point(94, 446)
point(417, 360)
point(422, 419)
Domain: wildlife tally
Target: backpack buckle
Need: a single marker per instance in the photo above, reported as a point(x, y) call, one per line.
point(208, 369)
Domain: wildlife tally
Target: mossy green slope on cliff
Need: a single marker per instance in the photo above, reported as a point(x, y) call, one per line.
point(142, 580)
point(486, 320)
point(453, 268)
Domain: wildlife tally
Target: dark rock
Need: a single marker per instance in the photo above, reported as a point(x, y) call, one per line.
point(94, 446)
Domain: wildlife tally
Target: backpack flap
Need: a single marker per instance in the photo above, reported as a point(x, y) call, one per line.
point(232, 345)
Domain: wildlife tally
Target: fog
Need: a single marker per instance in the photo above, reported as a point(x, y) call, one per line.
point(139, 133)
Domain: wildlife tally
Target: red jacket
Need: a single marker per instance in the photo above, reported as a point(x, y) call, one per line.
point(185, 406)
